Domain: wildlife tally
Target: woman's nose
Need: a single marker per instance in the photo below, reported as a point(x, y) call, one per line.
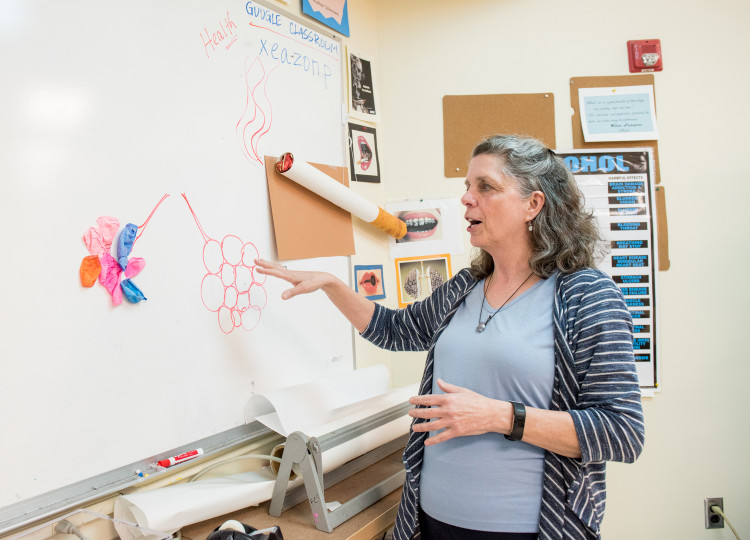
point(467, 199)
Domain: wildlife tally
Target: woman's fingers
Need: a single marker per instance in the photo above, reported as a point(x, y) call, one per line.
point(294, 291)
point(304, 281)
point(268, 267)
point(276, 270)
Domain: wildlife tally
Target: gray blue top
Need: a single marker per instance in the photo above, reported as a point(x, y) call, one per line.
point(512, 359)
point(595, 381)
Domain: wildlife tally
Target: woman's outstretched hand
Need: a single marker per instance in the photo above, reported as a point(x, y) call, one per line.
point(353, 306)
point(304, 282)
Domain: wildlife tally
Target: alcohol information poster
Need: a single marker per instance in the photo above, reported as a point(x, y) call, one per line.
point(619, 189)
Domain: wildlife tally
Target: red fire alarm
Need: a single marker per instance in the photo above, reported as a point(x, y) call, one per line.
point(644, 55)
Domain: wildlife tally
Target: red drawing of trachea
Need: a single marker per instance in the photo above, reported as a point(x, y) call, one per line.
point(230, 288)
point(256, 119)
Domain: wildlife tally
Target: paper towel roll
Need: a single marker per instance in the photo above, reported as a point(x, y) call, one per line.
point(172, 507)
point(338, 455)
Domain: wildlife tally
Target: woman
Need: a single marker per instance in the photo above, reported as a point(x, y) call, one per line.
point(529, 383)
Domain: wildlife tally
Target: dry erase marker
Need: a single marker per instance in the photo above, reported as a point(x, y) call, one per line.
point(182, 457)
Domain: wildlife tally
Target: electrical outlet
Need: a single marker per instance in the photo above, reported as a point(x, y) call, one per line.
point(713, 520)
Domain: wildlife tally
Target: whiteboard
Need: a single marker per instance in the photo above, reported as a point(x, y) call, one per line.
point(105, 109)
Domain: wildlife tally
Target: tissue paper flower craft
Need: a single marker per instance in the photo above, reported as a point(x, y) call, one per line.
point(101, 265)
point(111, 279)
point(231, 288)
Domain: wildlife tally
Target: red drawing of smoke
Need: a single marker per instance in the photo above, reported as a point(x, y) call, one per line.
point(231, 288)
point(256, 119)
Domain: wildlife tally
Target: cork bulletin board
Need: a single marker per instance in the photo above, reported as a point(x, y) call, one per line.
point(469, 119)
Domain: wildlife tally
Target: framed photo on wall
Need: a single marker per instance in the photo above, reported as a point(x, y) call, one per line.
point(363, 154)
point(368, 281)
point(362, 96)
point(418, 277)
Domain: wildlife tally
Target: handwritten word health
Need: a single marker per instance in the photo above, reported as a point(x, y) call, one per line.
point(226, 30)
point(263, 14)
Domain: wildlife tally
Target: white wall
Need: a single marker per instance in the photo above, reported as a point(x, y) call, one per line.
point(697, 440)
point(697, 432)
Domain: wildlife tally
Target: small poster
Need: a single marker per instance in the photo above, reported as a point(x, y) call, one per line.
point(363, 154)
point(624, 113)
point(368, 281)
point(618, 188)
point(333, 13)
point(362, 97)
point(419, 277)
point(432, 226)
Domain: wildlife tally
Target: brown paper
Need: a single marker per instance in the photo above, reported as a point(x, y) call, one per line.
point(305, 224)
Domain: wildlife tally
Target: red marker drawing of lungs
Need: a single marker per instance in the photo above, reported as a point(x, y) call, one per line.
point(231, 288)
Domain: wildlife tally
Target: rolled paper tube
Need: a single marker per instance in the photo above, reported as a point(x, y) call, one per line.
point(278, 452)
point(343, 453)
point(320, 183)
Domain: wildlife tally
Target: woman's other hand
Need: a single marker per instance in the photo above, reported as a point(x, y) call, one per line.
point(458, 412)
point(461, 411)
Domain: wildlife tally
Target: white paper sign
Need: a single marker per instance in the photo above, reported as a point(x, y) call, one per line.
point(624, 113)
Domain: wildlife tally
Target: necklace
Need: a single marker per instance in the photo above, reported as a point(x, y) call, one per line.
point(482, 325)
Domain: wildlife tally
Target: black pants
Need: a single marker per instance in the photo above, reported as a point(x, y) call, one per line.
point(432, 529)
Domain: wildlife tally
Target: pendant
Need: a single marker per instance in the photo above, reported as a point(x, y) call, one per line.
point(481, 326)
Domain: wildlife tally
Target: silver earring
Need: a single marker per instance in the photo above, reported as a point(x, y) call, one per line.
point(531, 227)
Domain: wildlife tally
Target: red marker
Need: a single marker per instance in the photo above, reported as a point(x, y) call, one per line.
point(182, 457)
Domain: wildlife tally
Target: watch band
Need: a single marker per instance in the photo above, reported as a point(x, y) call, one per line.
point(519, 421)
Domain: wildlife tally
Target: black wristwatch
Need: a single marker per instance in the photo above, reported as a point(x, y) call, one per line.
point(519, 421)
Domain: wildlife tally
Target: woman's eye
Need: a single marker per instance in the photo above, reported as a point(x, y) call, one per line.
point(481, 186)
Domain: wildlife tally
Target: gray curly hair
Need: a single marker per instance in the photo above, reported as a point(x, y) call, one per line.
point(565, 235)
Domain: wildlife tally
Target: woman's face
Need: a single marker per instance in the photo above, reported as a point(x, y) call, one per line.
point(495, 210)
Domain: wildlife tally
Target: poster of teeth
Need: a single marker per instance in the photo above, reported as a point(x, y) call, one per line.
point(432, 226)
point(618, 187)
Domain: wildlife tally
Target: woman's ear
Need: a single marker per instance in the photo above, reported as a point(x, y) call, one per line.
point(535, 204)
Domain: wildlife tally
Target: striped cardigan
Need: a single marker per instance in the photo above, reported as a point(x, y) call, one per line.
point(595, 381)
